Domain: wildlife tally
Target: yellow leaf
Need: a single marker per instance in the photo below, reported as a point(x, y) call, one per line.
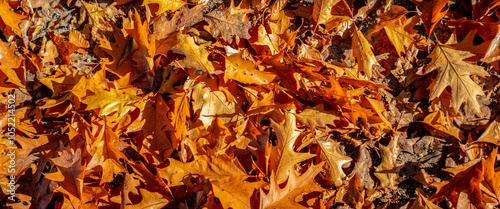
point(296, 185)
point(9, 17)
point(454, 72)
point(244, 71)
point(235, 192)
point(150, 200)
point(317, 117)
point(401, 33)
point(387, 172)
point(334, 160)
point(110, 101)
point(172, 5)
point(212, 168)
point(212, 104)
point(284, 156)
point(362, 50)
point(196, 56)
point(322, 10)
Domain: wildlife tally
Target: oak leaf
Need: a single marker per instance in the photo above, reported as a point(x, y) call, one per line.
point(295, 185)
point(9, 61)
point(492, 133)
point(210, 167)
point(454, 72)
point(387, 172)
point(362, 50)
point(180, 114)
point(110, 101)
point(322, 10)
point(422, 202)
point(196, 56)
point(105, 154)
point(235, 192)
point(245, 71)
point(70, 173)
point(468, 180)
point(491, 177)
point(432, 12)
point(283, 156)
point(334, 161)
point(156, 127)
point(150, 200)
point(226, 24)
point(165, 5)
point(212, 104)
point(10, 18)
point(317, 117)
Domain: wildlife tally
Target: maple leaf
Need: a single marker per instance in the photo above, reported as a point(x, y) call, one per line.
point(227, 24)
point(196, 56)
point(334, 160)
point(454, 72)
point(295, 185)
point(468, 179)
point(110, 101)
point(432, 12)
point(283, 155)
point(10, 18)
point(165, 5)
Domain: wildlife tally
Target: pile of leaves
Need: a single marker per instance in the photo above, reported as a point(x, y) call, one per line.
point(251, 103)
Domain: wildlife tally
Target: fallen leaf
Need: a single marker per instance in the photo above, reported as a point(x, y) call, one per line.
point(245, 71)
point(432, 12)
point(317, 117)
point(362, 50)
point(454, 72)
point(226, 24)
point(10, 18)
point(196, 56)
point(295, 185)
point(283, 156)
point(110, 101)
point(165, 5)
point(334, 160)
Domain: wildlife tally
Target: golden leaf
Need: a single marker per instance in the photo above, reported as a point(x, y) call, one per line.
point(454, 72)
point(110, 101)
point(284, 157)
